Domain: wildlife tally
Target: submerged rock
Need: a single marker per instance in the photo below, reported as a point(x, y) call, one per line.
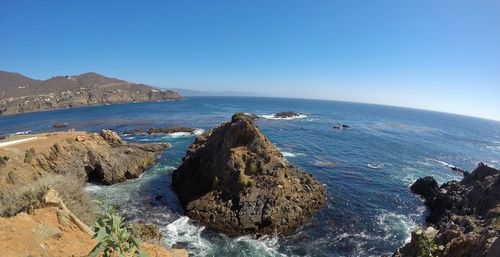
point(341, 126)
point(234, 180)
point(59, 125)
point(466, 215)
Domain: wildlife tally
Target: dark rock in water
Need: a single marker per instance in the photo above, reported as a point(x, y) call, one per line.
point(170, 130)
point(159, 131)
point(234, 180)
point(427, 187)
point(134, 131)
point(59, 125)
point(286, 115)
point(459, 170)
point(466, 216)
point(341, 126)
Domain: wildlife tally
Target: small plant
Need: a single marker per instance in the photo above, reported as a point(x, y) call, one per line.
point(29, 155)
point(245, 180)
point(237, 116)
point(113, 237)
point(426, 247)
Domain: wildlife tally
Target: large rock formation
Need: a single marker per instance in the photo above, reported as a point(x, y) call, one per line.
point(234, 180)
point(464, 218)
point(102, 158)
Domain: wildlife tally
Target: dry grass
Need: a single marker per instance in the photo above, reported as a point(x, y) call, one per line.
point(29, 197)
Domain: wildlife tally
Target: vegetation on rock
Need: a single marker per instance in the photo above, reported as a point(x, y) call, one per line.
point(113, 237)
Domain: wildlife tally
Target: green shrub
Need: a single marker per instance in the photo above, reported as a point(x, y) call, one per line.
point(245, 180)
point(252, 167)
point(237, 116)
point(112, 237)
point(26, 198)
point(147, 233)
point(29, 155)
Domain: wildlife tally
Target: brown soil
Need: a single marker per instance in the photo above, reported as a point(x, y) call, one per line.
point(42, 234)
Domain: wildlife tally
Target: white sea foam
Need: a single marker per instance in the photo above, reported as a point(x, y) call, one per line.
point(198, 132)
point(272, 117)
point(184, 231)
point(451, 166)
point(375, 165)
point(23, 132)
point(263, 246)
point(92, 187)
point(393, 224)
point(288, 154)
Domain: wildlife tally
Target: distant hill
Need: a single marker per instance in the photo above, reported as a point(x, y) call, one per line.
point(188, 92)
point(19, 93)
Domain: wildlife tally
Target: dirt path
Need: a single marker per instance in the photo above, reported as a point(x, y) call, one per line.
point(17, 141)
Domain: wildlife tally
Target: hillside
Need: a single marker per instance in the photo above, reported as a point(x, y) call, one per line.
point(19, 93)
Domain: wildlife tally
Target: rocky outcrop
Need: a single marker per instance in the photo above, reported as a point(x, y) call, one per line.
point(234, 180)
point(160, 131)
point(465, 216)
point(102, 158)
point(284, 115)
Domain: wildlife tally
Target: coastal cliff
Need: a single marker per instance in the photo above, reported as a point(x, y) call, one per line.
point(20, 94)
point(101, 158)
point(464, 217)
point(234, 180)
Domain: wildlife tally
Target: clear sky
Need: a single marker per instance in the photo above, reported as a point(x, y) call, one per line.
point(437, 55)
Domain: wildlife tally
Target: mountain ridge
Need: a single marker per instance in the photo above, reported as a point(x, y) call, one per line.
point(19, 93)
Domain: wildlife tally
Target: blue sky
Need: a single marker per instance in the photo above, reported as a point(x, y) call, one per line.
point(437, 55)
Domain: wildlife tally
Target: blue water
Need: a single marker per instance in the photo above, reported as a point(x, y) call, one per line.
point(370, 212)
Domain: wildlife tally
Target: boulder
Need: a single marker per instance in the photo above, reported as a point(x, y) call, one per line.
point(111, 137)
point(234, 180)
point(427, 187)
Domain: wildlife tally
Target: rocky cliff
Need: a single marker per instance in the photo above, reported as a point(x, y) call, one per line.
point(234, 180)
point(464, 217)
point(21, 94)
point(101, 158)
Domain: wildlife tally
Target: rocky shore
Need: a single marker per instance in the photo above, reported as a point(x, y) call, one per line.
point(101, 158)
point(464, 217)
point(234, 180)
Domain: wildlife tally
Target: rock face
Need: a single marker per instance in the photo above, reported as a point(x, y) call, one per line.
point(102, 158)
point(234, 180)
point(466, 216)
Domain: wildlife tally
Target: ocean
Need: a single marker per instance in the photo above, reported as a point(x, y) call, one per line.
point(367, 168)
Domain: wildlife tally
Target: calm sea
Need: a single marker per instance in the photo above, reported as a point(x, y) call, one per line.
point(367, 168)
